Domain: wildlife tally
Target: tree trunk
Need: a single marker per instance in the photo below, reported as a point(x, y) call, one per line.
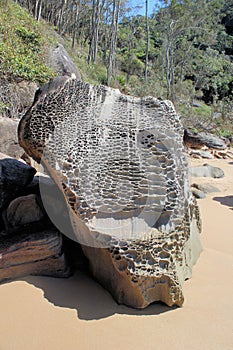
point(147, 42)
point(75, 25)
point(93, 48)
point(39, 10)
point(113, 40)
point(61, 16)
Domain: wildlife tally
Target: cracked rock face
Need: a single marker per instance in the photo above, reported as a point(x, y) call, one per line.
point(120, 166)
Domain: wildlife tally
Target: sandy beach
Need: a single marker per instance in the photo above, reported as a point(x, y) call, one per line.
point(77, 313)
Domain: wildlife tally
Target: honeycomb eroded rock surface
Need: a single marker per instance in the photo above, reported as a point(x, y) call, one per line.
point(122, 172)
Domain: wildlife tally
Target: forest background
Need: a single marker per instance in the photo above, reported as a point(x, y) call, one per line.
point(176, 50)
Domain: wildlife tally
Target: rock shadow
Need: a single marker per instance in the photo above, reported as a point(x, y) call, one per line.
point(83, 293)
point(227, 200)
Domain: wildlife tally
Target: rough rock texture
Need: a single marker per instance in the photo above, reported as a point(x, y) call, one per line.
point(39, 253)
point(16, 97)
point(26, 92)
point(120, 166)
point(14, 176)
point(61, 62)
point(198, 140)
point(29, 243)
point(206, 171)
point(23, 210)
point(9, 138)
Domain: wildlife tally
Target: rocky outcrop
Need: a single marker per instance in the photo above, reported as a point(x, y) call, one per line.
point(198, 140)
point(121, 169)
point(37, 253)
point(29, 242)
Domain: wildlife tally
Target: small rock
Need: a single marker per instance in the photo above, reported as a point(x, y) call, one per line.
point(206, 171)
point(197, 193)
point(23, 210)
point(202, 154)
point(206, 188)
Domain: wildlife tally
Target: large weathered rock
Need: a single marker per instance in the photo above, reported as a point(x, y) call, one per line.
point(121, 169)
point(61, 62)
point(14, 177)
point(39, 253)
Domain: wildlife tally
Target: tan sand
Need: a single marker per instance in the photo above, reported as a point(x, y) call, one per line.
point(46, 313)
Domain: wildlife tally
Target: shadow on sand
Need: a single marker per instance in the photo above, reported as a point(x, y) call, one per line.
point(227, 200)
point(91, 301)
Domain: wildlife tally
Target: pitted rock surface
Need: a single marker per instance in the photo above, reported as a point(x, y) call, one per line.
point(120, 163)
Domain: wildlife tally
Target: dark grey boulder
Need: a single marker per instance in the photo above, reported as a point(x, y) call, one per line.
point(14, 177)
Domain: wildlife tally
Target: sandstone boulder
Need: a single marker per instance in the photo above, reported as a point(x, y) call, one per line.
point(39, 253)
point(206, 170)
point(121, 169)
point(23, 210)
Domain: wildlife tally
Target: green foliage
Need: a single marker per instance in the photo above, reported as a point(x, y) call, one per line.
point(190, 52)
point(22, 46)
point(122, 80)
